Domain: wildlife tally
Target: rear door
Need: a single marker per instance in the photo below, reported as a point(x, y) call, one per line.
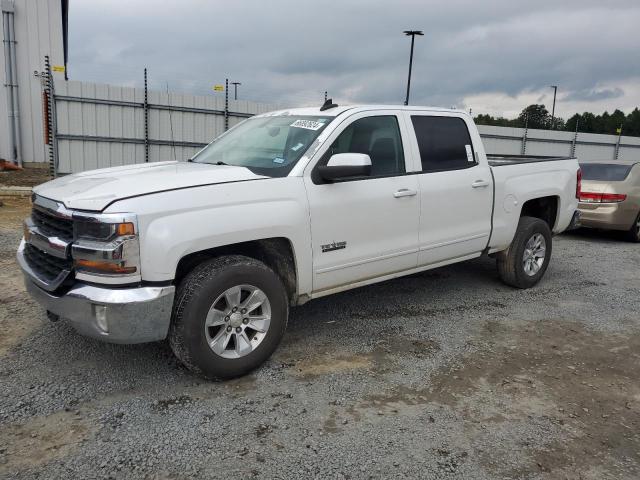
point(366, 227)
point(456, 187)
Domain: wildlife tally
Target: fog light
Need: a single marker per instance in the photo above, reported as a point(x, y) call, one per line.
point(100, 314)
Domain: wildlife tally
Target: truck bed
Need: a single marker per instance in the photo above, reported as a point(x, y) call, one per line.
point(500, 160)
point(547, 176)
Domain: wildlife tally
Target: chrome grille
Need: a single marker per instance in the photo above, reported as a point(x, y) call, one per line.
point(52, 225)
point(45, 254)
point(48, 267)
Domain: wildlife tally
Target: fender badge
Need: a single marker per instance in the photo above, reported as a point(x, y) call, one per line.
point(329, 247)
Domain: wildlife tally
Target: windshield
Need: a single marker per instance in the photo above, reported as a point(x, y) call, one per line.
point(605, 171)
point(266, 145)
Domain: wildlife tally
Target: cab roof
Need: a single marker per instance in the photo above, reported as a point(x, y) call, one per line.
point(335, 111)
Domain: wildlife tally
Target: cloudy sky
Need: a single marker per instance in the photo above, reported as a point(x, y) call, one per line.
point(494, 56)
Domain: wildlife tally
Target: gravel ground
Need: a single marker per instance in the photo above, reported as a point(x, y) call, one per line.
point(446, 374)
point(27, 177)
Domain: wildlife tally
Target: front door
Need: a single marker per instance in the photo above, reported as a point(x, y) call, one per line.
point(367, 227)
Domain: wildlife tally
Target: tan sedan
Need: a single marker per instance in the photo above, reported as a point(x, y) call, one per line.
point(610, 197)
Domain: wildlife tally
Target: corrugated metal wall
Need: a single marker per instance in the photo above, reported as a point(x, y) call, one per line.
point(38, 27)
point(98, 135)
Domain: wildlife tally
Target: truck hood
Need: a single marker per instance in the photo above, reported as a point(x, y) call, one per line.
point(96, 189)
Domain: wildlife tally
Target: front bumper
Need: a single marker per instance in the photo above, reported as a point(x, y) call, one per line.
point(116, 315)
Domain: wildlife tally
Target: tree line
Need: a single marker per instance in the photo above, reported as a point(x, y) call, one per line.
point(537, 116)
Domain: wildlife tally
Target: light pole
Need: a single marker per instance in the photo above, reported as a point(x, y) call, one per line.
point(235, 89)
point(412, 34)
point(553, 109)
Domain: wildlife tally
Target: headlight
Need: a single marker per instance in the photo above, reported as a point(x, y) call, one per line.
point(98, 230)
point(106, 248)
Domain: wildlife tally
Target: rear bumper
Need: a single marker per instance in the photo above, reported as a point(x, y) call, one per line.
point(607, 216)
point(116, 315)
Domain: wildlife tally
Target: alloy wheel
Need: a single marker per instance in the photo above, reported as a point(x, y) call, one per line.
point(534, 254)
point(238, 321)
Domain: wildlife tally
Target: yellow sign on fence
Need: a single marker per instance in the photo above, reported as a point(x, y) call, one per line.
point(218, 88)
point(58, 68)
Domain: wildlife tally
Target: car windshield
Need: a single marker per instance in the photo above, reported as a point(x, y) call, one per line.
point(266, 145)
point(605, 171)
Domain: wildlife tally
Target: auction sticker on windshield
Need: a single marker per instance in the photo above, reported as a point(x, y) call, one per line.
point(308, 124)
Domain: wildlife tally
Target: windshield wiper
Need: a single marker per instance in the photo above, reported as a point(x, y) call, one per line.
point(222, 163)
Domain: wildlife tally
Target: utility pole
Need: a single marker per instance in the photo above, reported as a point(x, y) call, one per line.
point(553, 109)
point(235, 89)
point(412, 34)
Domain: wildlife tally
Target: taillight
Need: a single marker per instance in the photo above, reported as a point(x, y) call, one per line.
point(578, 182)
point(613, 197)
point(591, 197)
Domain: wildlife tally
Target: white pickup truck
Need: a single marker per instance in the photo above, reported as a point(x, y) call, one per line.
point(283, 208)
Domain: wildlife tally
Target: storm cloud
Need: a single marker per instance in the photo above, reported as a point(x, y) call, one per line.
point(493, 56)
point(595, 94)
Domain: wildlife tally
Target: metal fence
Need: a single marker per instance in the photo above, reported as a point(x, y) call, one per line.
point(96, 126)
point(584, 146)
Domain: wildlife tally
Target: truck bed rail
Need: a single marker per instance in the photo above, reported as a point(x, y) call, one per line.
point(500, 160)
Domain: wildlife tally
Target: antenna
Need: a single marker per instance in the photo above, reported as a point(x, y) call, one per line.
point(328, 104)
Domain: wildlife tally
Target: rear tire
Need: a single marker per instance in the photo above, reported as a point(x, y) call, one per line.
point(633, 235)
point(526, 260)
point(213, 302)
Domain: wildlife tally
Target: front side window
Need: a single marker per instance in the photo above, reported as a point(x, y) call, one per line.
point(378, 137)
point(444, 143)
point(266, 145)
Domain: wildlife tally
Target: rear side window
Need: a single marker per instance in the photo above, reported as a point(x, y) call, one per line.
point(605, 172)
point(444, 143)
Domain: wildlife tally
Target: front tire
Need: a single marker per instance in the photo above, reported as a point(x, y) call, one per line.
point(229, 316)
point(526, 260)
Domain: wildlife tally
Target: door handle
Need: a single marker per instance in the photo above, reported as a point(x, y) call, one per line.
point(405, 192)
point(480, 184)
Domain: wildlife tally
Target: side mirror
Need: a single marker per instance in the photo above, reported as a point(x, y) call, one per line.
point(344, 165)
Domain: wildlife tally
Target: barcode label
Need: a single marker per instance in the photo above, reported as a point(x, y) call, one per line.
point(308, 124)
point(469, 153)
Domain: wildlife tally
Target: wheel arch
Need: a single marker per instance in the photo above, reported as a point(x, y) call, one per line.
point(276, 252)
point(545, 208)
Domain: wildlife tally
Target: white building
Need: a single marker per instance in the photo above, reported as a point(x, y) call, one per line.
point(31, 29)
